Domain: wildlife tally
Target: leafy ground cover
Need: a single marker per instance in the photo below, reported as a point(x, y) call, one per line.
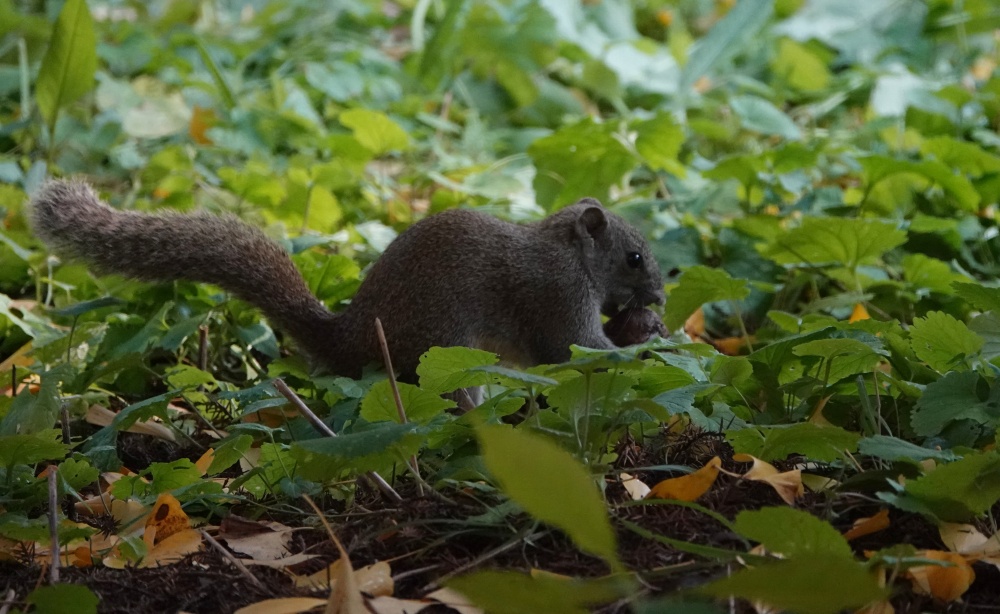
point(817, 435)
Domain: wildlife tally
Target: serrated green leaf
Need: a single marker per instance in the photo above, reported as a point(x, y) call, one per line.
point(953, 397)
point(842, 357)
point(827, 240)
point(879, 168)
point(659, 141)
point(420, 405)
point(448, 369)
point(813, 584)
point(375, 131)
point(792, 533)
point(943, 342)
point(28, 449)
point(978, 295)
point(700, 285)
point(550, 485)
point(69, 65)
point(969, 158)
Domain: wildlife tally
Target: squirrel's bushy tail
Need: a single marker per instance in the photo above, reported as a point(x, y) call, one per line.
point(225, 251)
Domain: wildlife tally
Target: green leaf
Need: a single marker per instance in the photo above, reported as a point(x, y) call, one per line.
point(510, 592)
point(826, 240)
point(375, 446)
point(33, 413)
point(792, 533)
point(578, 160)
point(953, 397)
point(894, 449)
point(550, 485)
point(812, 584)
point(420, 405)
point(964, 156)
point(843, 357)
point(879, 168)
point(697, 286)
point(761, 116)
point(63, 599)
point(961, 490)
point(726, 39)
point(943, 342)
point(821, 443)
point(979, 296)
point(659, 141)
point(228, 453)
point(376, 131)
point(30, 449)
point(69, 65)
point(803, 69)
point(448, 369)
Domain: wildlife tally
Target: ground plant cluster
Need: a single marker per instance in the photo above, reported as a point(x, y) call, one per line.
point(817, 433)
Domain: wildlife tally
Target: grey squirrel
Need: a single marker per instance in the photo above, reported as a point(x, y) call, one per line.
point(460, 277)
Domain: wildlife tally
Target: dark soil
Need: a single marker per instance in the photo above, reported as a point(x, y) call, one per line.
point(428, 540)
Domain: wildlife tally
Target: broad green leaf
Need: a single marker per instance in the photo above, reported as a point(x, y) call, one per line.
point(513, 377)
point(63, 599)
point(33, 413)
point(700, 285)
point(659, 141)
point(420, 405)
point(550, 485)
point(943, 342)
point(228, 453)
point(731, 370)
point(979, 296)
point(811, 584)
point(761, 116)
point(578, 160)
point(967, 157)
point(68, 68)
point(372, 441)
point(821, 443)
point(953, 397)
point(894, 449)
point(77, 473)
point(448, 369)
point(843, 241)
point(961, 490)
point(929, 273)
point(792, 533)
point(170, 476)
point(879, 168)
point(511, 592)
point(375, 130)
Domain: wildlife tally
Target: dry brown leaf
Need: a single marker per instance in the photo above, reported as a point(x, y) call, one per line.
point(788, 484)
point(944, 583)
point(966, 540)
point(869, 525)
point(260, 541)
point(375, 579)
point(102, 416)
point(18, 359)
point(688, 487)
point(173, 548)
point(817, 416)
point(635, 487)
point(454, 600)
point(286, 605)
point(281, 563)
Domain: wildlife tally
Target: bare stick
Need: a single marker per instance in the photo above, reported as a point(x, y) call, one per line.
point(232, 559)
point(321, 426)
point(203, 347)
point(8, 601)
point(395, 395)
point(54, 523)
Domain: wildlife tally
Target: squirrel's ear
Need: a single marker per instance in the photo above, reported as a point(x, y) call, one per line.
point(592, 222)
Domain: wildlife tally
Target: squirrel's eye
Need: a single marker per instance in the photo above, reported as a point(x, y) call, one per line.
point(634, 259)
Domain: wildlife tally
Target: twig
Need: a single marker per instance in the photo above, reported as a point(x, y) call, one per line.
point(203, 347)
point(235, 561)
point(54, 523)
point(321, 426)
point(395, 395)
point(64, 411)
point(8, 601)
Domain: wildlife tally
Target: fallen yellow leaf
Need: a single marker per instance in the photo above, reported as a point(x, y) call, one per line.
point(944, 583)
point(869, 525)
point(858, 313)
point(688, 487)
point(374, 579)
point(167, 518)
point(788, 484)
point(173, 548)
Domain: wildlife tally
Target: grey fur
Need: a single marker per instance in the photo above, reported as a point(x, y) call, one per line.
point(460, 277)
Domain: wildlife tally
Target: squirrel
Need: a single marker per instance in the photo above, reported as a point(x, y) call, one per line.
point(457, 278)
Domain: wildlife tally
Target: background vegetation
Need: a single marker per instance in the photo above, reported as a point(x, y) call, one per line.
point(825, 174)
